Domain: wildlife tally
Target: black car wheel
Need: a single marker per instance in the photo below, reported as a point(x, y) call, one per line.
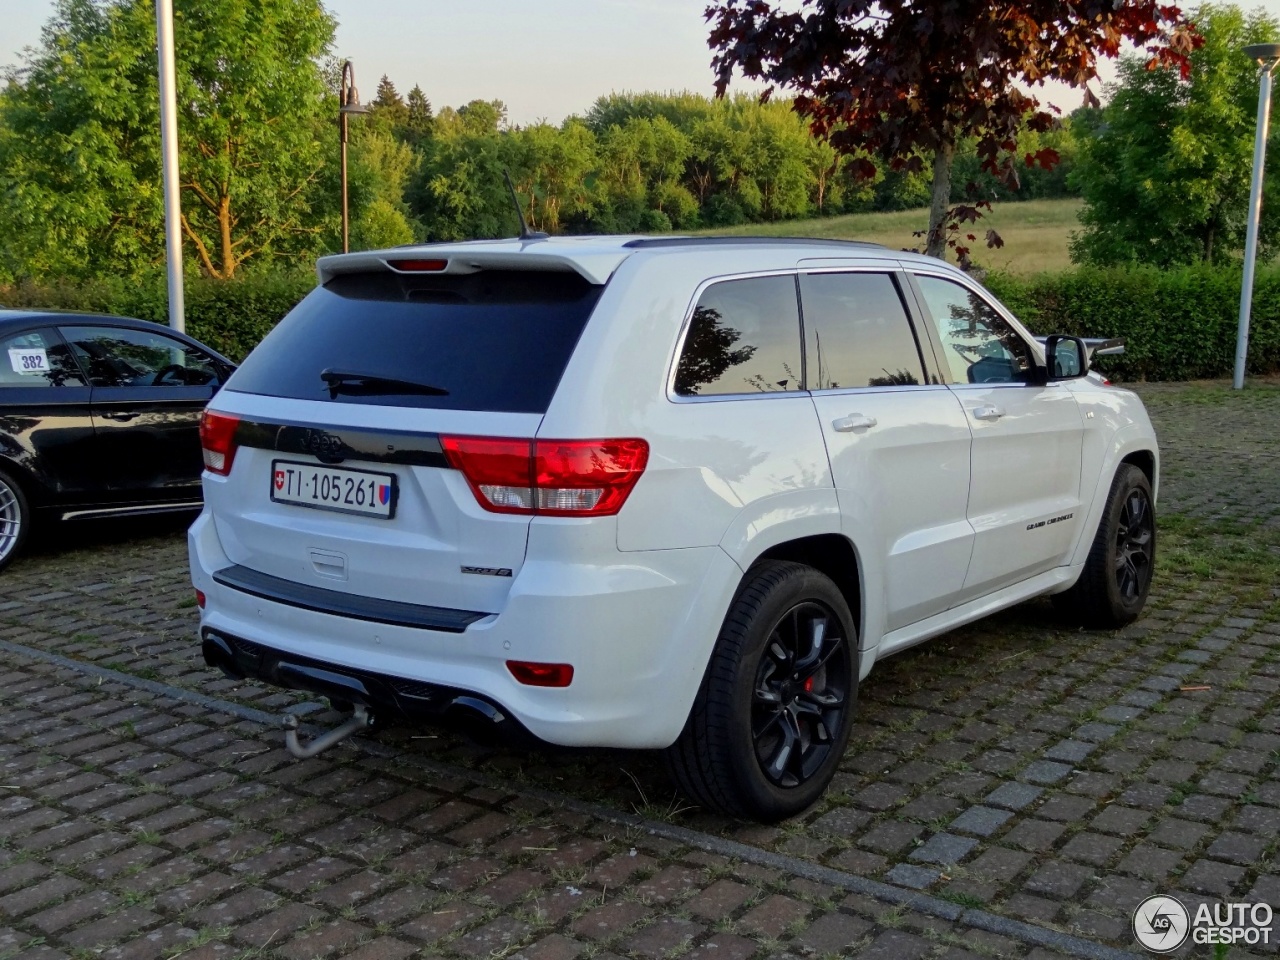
point(1116, 579)
point(772, 718)
point(15, 519)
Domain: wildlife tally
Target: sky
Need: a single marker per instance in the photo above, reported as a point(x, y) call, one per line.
point(546, 59)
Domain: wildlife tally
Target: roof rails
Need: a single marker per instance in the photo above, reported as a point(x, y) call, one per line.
point(649, 243)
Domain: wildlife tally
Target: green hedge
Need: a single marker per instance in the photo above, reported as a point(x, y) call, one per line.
point(1180, 324)
point(230, 316)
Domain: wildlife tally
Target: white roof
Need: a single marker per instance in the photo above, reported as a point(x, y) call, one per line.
point(594, 257)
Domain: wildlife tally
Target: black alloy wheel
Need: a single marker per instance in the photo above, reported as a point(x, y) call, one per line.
point(1118, 571)
point(1135, 545)
point(801, 694)
point(771, 721)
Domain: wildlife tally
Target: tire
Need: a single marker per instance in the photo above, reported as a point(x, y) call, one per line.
point(1115, 582)
point(15, 519)
point(762, 689)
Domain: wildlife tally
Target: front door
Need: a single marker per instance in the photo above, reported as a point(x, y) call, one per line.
point(898, 443)
point(149, 390)
point(1024, 499)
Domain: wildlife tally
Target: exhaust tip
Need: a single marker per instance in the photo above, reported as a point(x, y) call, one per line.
point(217, 653)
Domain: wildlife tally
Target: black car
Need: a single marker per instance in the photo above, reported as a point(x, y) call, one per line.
point(99, 416)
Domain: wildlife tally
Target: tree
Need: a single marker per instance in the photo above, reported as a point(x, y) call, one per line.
point(387, 103)
point(1164, 168)
point(909, 79)
point(418, 123)
point(80, 152)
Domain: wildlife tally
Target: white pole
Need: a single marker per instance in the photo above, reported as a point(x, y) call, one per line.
point(169, 149)
point(1255, 211)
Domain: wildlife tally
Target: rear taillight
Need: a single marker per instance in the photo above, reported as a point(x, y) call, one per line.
point(200, 599)
point(218, 440)
point(559, 478)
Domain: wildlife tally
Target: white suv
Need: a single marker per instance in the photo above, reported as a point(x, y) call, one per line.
point(654, 493)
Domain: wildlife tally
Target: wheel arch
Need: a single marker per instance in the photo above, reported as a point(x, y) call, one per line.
point(36, 492)
point(1131, 445)
point(832, 554)
point(1144, 460)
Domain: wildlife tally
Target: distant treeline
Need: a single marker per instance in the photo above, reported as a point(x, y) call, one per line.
point(645, 162)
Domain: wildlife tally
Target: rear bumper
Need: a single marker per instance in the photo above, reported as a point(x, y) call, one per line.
point(638, 629)
point(412, 699)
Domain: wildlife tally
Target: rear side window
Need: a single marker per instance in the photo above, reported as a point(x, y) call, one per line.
point(37, 358)
point(858, 332)
point(744, 338)
point(491, 341)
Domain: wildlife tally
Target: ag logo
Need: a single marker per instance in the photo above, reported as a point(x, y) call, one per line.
point(1161, 924)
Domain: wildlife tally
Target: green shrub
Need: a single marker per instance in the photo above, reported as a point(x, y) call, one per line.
point(229, 315)
point(1179, 324)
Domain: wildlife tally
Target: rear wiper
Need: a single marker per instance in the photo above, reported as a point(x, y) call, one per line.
point(369, 384)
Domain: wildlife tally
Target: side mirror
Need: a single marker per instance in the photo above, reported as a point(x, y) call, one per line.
point(1067, 358)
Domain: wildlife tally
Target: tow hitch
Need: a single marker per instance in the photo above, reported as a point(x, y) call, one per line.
point(359, 721)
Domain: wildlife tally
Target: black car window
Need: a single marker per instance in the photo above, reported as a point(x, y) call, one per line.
point(37, 358)
point(122, 357)
point(857, 332)
point(744, 338)
point(494, 340)
point(979, 345)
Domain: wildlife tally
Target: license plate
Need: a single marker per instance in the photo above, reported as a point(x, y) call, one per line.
point(334, 488)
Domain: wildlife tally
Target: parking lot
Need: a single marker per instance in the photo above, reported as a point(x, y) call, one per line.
point(1014, 788)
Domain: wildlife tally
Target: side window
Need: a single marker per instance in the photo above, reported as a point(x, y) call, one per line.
point(119, 357)
point(980, 347)
point(744, 338)
point(37, 358)
point(857, 332)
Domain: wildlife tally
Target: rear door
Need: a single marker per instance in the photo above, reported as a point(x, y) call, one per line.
point(898, 443)
point(45, 420)
point(1024, 500)
point(368, 374)
point(148, 393)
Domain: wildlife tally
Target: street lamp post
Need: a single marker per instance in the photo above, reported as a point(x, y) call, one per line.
point(348, 103)
point(1267, 56)
point(169, 156)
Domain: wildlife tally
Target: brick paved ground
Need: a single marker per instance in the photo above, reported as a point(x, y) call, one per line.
point(1019, 766)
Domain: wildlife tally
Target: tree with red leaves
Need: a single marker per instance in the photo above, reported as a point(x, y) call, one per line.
point(900, 81)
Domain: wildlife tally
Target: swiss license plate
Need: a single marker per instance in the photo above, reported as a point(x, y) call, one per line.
point(334, 488)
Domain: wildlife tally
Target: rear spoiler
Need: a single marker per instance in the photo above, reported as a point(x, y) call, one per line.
point(1098, 346)
point(593, 266)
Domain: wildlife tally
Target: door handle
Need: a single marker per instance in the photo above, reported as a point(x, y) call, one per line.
point(120, 416)
point(991, 412)
point(854, 421)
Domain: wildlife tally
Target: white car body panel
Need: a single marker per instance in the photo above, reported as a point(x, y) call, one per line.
point(934, 503)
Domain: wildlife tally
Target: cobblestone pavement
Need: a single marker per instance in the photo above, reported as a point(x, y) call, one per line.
point(1017, 769)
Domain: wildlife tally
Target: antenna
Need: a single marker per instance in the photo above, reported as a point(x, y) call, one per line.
point(525, 232)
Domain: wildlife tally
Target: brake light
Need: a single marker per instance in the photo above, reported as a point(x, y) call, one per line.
point(218, 440)
point(559, 478)
point(200, 599)
point(418, 266)
point(541, 674)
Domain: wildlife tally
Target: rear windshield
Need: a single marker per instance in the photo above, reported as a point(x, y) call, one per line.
point(491, 341)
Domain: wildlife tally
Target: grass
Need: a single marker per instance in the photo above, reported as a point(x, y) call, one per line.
point(1035, 232)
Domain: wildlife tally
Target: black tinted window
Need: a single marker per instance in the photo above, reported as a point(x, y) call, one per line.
point(744, 338)
point(979, 345)
point(493, 340)
point(37, 358)
point(857, 331)
point(120, 357)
